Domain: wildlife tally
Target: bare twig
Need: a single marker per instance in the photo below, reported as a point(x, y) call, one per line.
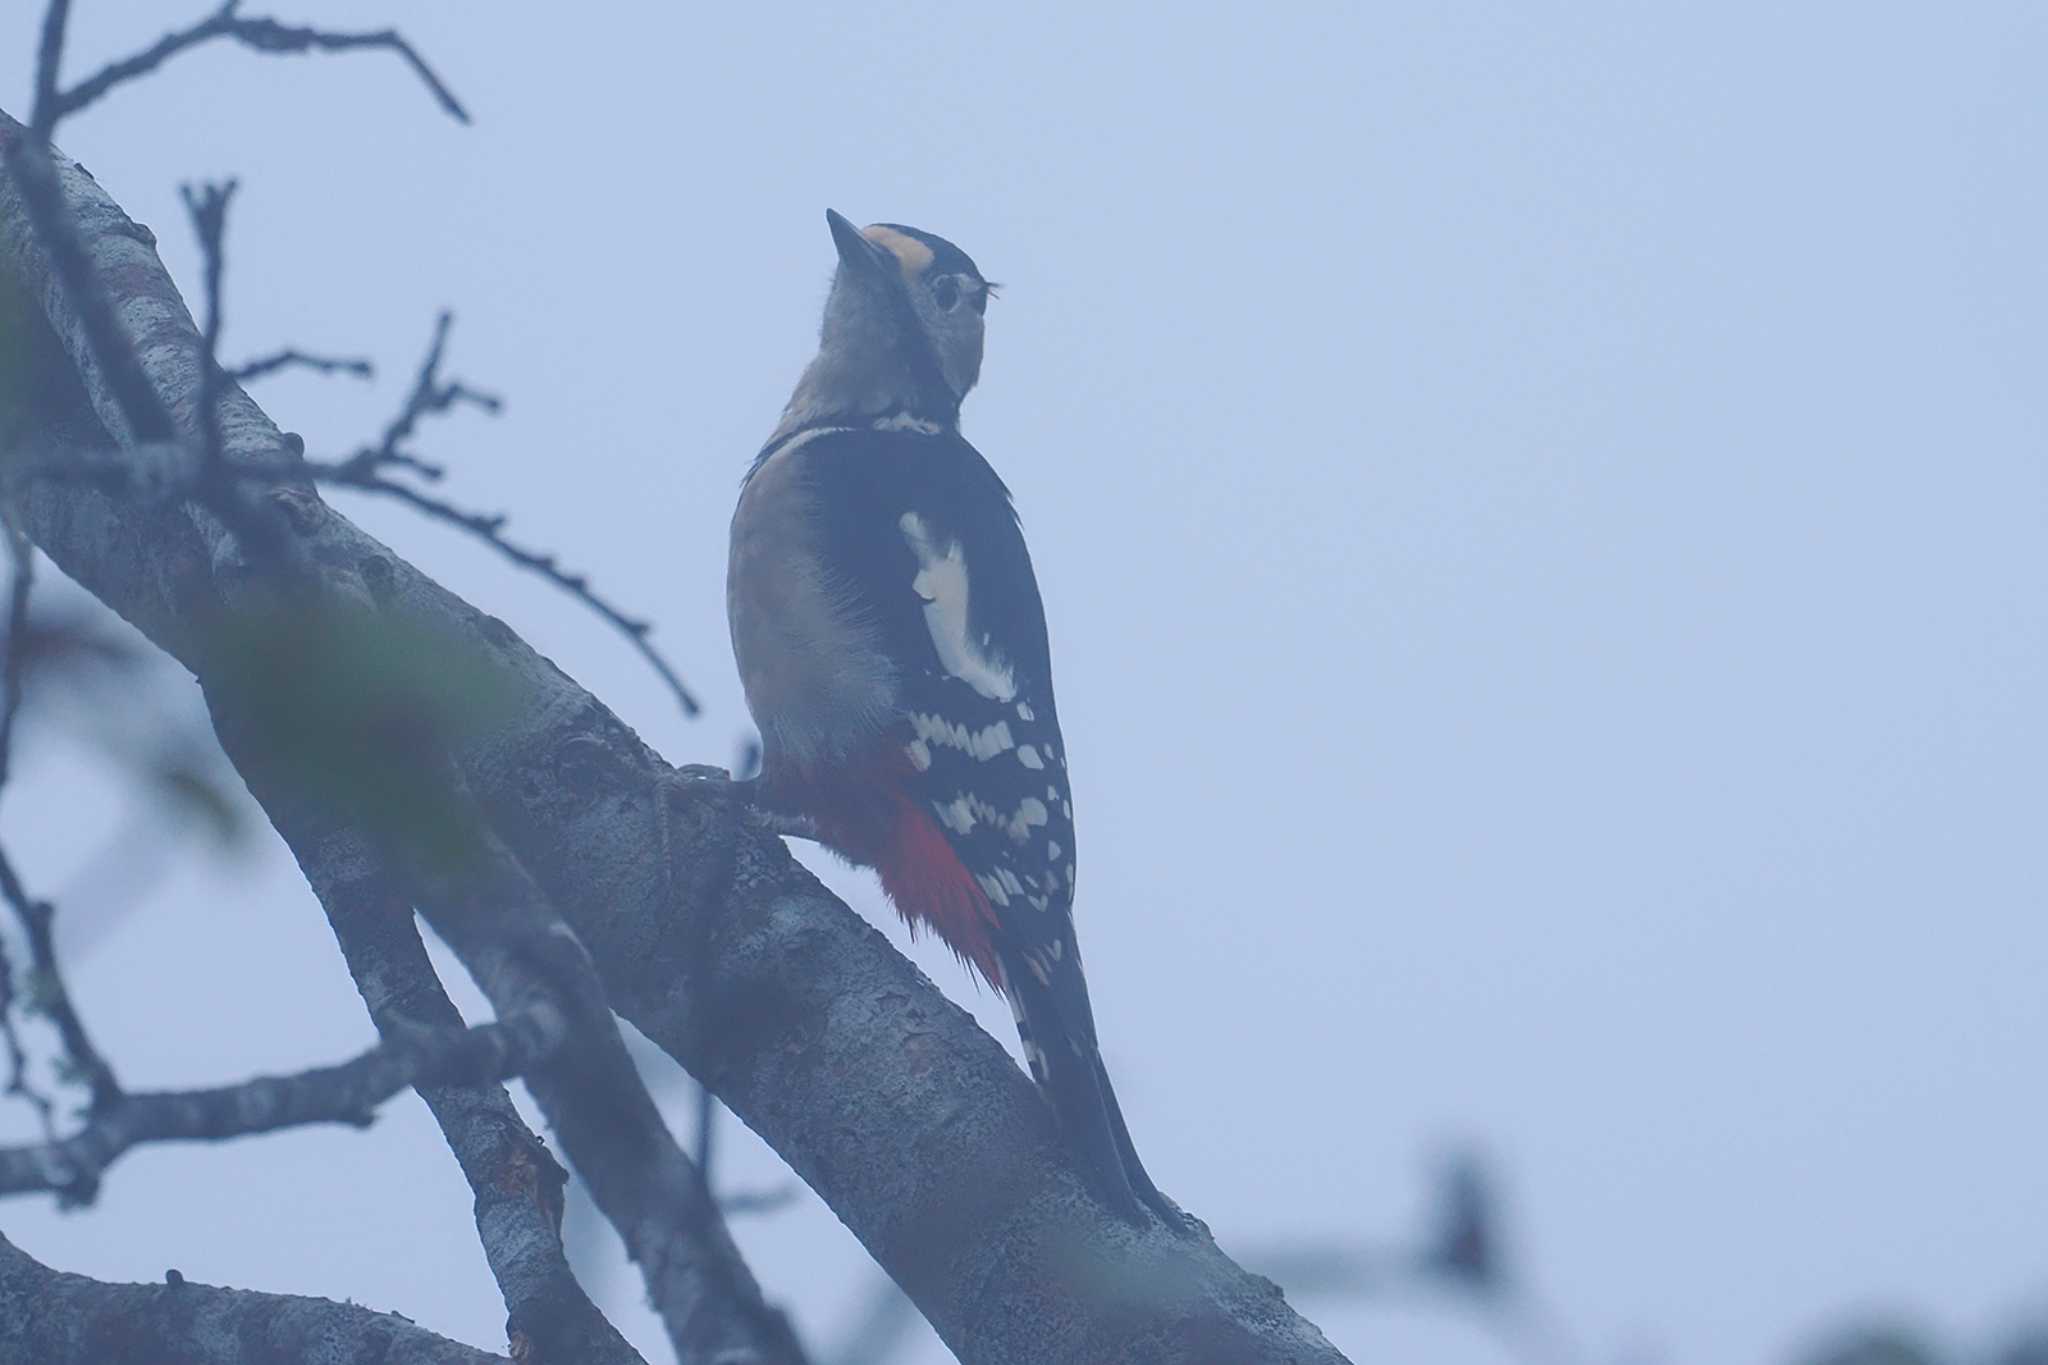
point(263, 35)
point(348, 1093)
point(431, 396)
point(13, 658)
point(46, 984)
point(365, 472)
point(291, 357)
point(489, 528)
point(28, 161)
point(18, 1083)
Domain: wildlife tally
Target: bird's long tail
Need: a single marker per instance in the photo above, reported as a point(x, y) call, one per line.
point(1067, 1064)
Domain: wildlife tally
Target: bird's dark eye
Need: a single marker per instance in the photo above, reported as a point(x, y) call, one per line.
point(946, 293)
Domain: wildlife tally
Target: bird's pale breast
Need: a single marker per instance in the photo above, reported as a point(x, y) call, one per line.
point(817, 681)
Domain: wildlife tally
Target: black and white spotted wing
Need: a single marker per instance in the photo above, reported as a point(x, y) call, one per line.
point(920, 535)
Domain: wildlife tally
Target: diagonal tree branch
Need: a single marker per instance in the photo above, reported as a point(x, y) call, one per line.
point(914, 1125)
point(488, 910)
point(518, 1186)
point(53, 1318)
point(615, 1137)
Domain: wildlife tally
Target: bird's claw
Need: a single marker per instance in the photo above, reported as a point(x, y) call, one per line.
point(782, 822)
point(753, 809)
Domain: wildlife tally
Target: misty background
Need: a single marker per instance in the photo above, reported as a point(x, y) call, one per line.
point(1541, 509)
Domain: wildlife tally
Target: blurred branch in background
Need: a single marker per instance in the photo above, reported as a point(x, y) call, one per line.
point(887, 1319)
point(1459, 1261)
point(292, 358)
point(30, 646)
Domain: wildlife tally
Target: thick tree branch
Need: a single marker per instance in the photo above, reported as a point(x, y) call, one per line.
point(108, 347)
point(912, 1123)
point(48, 1317)
point(483, 904)
point(347, 1093)
point(614, 1135)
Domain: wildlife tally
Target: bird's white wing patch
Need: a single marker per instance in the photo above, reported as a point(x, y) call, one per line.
point(942, 582)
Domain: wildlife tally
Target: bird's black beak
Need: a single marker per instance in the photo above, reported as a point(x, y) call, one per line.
point(855, 251)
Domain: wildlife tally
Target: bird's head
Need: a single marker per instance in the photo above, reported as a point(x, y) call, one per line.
point(902, 329)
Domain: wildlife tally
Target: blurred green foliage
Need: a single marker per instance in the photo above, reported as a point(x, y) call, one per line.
point(360, 713)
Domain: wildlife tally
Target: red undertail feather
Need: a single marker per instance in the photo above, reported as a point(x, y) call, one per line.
point(930, 885)
point(874, 821)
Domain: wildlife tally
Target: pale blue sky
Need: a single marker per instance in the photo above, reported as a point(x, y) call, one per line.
point(1541, 508)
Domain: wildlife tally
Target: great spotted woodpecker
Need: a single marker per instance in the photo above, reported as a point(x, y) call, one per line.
point(893, 648)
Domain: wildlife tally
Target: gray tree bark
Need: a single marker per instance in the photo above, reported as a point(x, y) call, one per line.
point(912, 1124)
point(48, 1317)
